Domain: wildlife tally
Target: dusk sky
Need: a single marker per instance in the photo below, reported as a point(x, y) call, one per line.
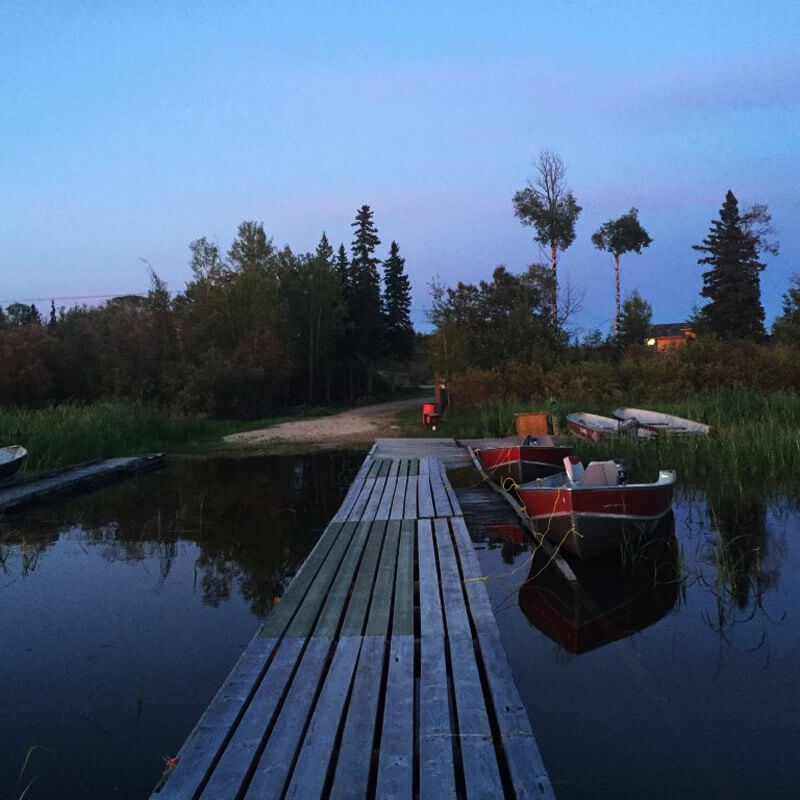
point(130, 129)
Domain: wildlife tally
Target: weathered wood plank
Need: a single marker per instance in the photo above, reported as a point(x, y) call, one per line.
point(380, 608)
point(306, 615)
point(523, 759)
point(399, 501)
point(412, 491)
point(481, 771)
point(230, 773)
point(349, 500)
point(451, 493)
point(358, 607)
point(403, 620)
point(351, 778)
point(337, 595)
point(272, 771)
point(396, 755)
point(425, 506)
point(385, 506)
point(207, 739)
point(436, 759)
point(333, 541)
point(360, 504)
point(316, 756)
point(371, 509)
point(440, 499)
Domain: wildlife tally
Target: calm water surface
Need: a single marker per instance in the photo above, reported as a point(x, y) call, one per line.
point(122, 612)
point(689, 690)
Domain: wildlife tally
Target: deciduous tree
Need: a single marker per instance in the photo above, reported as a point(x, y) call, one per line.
point(618, 236)
point(548, 205)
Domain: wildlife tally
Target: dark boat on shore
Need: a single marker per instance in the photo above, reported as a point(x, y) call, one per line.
point(11, 460)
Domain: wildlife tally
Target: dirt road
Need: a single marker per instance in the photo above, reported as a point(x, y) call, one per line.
point(356, 426)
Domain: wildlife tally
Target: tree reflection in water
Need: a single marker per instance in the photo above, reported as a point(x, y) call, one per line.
point(253, 521)
point(745, 557)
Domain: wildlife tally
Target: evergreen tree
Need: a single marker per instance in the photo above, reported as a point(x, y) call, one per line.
point(786, 329)
point(251, 249)
point(364, 294)
point(343, 266)
point(732, 286)
point(397, 306)
point(634, 321)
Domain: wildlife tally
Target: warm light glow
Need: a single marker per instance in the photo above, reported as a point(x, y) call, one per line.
point(651, 342)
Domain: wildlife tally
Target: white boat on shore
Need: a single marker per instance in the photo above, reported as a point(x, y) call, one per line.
point(661, 424)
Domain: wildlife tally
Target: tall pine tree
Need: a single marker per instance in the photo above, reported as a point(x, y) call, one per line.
point(364, 294)
point(397, 306)
point(732, 285)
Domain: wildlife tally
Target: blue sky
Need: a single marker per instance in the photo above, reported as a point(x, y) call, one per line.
point(130, 129)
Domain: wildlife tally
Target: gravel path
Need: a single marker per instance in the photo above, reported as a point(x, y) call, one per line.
point(356, 426)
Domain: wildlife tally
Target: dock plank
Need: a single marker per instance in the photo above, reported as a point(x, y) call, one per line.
point(317, 753)
point(381, 672)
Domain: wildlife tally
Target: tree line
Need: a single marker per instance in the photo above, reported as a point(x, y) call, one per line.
point(522, 319)
point(256, 330)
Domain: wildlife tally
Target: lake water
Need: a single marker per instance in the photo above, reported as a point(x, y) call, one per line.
point(123, 611)
point(691, 691)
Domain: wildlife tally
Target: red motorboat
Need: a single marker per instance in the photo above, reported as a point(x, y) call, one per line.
point(591, 511)
point(533, 458)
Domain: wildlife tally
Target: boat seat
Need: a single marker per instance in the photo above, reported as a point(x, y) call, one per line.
point(574, 469)
point(600, 473)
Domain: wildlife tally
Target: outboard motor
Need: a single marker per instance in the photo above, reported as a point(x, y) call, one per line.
point(629, 426)
point(622, 471)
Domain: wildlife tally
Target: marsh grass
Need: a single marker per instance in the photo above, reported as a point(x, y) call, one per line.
point(754, 449)
point(69, 434)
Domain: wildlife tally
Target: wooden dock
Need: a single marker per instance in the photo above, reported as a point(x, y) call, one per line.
point(381, 672)
point(28, 490)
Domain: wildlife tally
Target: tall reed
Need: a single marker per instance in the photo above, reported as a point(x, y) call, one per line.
point(68, 434)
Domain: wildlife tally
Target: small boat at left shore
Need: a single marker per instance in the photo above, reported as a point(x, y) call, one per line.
point(531, 459)
point(590, 511)
point(11, 460)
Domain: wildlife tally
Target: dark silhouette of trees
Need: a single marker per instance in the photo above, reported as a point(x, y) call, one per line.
point(548, 205)
point(634, 320)
point(732, 284)
point(399, 332)
point(619, 236)
point(364, 296)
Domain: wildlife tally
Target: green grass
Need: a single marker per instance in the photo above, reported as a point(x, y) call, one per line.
point(754, 450)
point(69, 434)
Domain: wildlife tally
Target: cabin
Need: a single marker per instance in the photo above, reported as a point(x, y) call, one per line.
point(670, 335)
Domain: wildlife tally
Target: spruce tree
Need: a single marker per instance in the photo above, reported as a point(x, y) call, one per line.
point(364, 292)
point(732, 286)
point(397, 306)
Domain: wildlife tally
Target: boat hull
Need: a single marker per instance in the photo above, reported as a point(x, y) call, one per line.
point(596, 427)
point(11, 460)
point(662, 424)
point(522, 463)
point(593, 520)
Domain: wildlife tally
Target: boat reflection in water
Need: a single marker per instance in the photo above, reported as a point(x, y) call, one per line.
point(587, 604)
